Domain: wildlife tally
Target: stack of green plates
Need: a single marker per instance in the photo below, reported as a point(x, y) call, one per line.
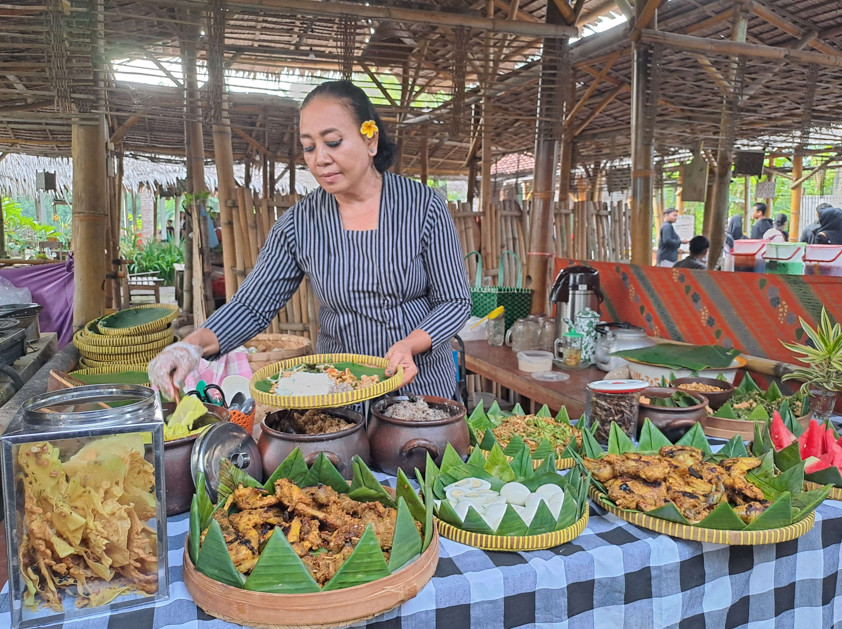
point(129, 338)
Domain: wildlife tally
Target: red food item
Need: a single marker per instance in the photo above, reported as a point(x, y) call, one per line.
point(812, 465)
point(829, 442)
point(781, 436)
point(839, 442)
point(811, 441)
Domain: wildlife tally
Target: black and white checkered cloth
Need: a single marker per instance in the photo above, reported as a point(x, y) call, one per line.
point(614, 575)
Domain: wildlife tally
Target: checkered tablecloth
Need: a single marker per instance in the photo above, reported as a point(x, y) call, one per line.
point(614, 575)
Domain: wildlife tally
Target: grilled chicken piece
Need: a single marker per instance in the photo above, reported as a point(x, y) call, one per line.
point(683, 456)
point(751, 510)
point(649, 467)
point(601, 469)
point(692, 506)
point(633, 493)
point(739, 465)
point(253, 498)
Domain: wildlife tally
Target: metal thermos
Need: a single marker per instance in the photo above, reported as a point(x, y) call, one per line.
point(575, 288)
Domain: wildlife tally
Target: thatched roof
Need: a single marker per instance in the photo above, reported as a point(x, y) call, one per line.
point(294, 47)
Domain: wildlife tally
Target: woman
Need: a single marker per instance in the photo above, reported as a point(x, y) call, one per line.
point(380, 250)
point(829, 231)
point(777, 233)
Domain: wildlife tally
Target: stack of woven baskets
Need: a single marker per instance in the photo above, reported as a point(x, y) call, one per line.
point(128, 338)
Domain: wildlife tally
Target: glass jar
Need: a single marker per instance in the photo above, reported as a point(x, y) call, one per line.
point(546, 336)
point(495, 330)
point(571, 348)
point(822, 402)
point(614, 401)
point(93, 457)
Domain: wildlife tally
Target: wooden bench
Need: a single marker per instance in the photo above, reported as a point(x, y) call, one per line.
point(141, 284)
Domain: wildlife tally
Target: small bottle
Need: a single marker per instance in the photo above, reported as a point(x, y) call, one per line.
point(571, 343)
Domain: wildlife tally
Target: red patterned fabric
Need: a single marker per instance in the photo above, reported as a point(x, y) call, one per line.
point(750, 311)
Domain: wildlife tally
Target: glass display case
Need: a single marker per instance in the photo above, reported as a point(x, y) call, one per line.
point(83, 485)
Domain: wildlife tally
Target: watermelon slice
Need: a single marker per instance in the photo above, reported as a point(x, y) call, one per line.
point(811, 441)
point(812, 465)
point(781, 435)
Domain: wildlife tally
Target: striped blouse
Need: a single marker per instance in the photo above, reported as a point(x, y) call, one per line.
point(374, 287)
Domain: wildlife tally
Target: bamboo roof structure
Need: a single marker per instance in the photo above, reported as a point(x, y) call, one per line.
point(428, 64)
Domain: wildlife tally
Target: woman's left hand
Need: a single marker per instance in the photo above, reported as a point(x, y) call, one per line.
point(401, 354)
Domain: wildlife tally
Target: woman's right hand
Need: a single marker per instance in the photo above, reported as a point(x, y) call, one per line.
point(168, 370)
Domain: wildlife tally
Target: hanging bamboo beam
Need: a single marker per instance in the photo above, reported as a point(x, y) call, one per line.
point(601, 106)
point(644, 16)
point(599, 77)
point(394, 14)
point(690, 43)
point(124, 128)
point(815, 171)
point(785, 22)
point(254, 143)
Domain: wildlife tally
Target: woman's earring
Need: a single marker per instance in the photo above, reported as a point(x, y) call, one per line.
point(371, 151)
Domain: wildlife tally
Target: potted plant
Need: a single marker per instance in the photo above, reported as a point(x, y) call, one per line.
point(822, 376)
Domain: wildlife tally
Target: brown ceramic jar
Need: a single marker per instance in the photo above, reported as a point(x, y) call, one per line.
point(673, 422)
point(404, 444)
point(179, 479)
point(338, 447)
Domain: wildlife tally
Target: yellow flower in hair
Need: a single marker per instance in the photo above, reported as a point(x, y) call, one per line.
point(369, 128)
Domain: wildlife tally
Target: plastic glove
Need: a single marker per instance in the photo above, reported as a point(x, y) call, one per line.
point(168, 369)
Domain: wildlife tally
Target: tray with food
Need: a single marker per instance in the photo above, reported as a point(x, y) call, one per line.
point(748, 406)
point(307, 547)
point(493, 503)
point(685, 490)
point(678, 360)
point(544, 434)
point(323, 381)
point(819, 446)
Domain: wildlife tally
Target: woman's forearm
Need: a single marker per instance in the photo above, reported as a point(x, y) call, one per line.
point(204, 338)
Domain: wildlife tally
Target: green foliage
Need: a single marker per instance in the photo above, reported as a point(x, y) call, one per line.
point(823, 359)
point(24, 232)
point(154, 256)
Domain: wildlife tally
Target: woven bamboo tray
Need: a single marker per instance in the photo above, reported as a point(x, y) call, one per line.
point(319, 610)
point(273, 348)
point(332, 399)
point(146, 328)
point(115, 361)
point(90, 335)
point(136, 358)
point(513, 543)
point(114, 350)
point(699, 534)
point(835, 492)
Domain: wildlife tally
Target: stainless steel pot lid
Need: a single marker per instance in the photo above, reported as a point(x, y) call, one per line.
point(224, 441)
point(604, 328)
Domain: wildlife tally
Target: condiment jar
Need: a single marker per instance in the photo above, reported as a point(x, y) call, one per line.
point(571, 348)
point(614, 401)
point(546, 336)
point(522, 335)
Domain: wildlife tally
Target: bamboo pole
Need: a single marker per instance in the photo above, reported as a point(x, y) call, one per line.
point(224, 158)
point(722, 184)
point(795, 198)
point(258, 223)
point(242, 213)
point(239, 246)
point(679, 200)
point(642, 151)
point(89, 219)
point(251, 221)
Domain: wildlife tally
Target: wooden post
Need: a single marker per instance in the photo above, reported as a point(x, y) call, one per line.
point(722, 183)
point(770, 201)
point(641, 151)
point(425, 156)
point(539, 251)
point(679, 200)
point(200, 280)
point(746, 195)
point(89, 219)
point(2, 231)
point(795, 198)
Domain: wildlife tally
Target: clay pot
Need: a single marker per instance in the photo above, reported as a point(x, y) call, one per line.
point(338, 447)
point(715, 399)
point(404, 444)
point(673, 422)
point(177, 474)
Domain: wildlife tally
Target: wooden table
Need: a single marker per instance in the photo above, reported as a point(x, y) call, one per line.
point(500, 365)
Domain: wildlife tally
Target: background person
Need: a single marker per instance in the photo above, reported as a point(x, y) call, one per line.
point(380, 251)
point(829, 231)
point(697, 259)
point(668, 240)
point(761, 222)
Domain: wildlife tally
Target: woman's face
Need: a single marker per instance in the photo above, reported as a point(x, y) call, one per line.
point(337, 154)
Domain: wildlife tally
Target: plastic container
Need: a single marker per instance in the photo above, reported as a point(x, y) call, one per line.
point(531, 360)
point(785, 258)
point(92, 458)
point(614, 401)
point(823, 260)
point(748, 255)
